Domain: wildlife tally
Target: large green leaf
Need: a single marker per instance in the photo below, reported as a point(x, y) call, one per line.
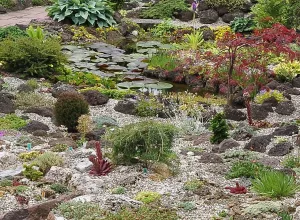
point(68, 12)
point(84, 14)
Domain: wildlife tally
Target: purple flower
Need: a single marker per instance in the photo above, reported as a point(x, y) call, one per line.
point(2, 134)
point(194, 5)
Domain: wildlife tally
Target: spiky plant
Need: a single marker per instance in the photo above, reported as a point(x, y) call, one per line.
point(100, 166)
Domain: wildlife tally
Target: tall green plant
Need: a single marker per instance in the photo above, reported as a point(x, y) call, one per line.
point(82, 12)
point(35, 33)
point(194, 40)
point(219, 127)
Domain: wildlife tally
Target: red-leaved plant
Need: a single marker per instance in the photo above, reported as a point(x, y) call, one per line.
point(237, 189)
point(100, 166)
point(22, 200)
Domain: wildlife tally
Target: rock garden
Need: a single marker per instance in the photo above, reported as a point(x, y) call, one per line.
point(105, 114)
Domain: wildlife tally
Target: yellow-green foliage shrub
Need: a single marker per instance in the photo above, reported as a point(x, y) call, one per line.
point(28, 156)
point(287, 71)
point(11, 122)
point(148, 197)
point(263, 95)
point(26, 100)
point(220, 31)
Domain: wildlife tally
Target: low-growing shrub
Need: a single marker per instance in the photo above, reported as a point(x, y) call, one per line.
point(59, 188)
point(60, 148)
point(118, 190)
point(275, 184)
point(26, 100)
point(263, 95)
point(68, 108)
point(148, 107)
point(230, 4)
point(102, 121)
point(291, 162)
point(112, 93)
point(80, 210)
point(221, 31)
point(165, 9)
point(246, 169)
point(11, 32)
point(147, 140)
point(93, 13)
point(21, 189)
point(32, 56)
point(148, 197)
point(219, 127)
point(287, 71)
point(7, 3)
point(32, 83)
point(187, 206)
point(163, 29)
point(46, 160)
point(11, 121)
point(193, 185)
point(6, 182)
point(31, 172)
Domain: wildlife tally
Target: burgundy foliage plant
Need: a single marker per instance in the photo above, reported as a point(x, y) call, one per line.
point(100, 166)
point(237, 189)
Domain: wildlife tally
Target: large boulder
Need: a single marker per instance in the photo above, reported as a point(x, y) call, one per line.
point(285, 108)
point(273, 84)
point(222, 10)
point(296, 82)
point(94, 97)
point(281, 149)
point(210, 158)
point(7, 106)
point(258, 143)
point(234, 114)
point(35, 126)
point(259, 112)
point(287, 130)
point(208, 33)
point(227, 18)
point(185, 15)
point(126, 107)
point(60, 88)
point(208, 16)
point(226, 145)
point(59, 175)
point(7, 159)
point(42, 111)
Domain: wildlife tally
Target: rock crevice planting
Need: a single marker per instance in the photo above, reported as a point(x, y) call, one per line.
point(101, 118)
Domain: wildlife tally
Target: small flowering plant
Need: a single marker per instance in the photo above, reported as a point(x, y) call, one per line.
point(264, 94)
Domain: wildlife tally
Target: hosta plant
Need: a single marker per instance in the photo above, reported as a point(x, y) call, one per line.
point(242, 25)
point(100, 166)
point(81, 12)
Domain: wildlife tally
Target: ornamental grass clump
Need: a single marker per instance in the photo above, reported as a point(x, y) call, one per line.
point(146, 141)
point(275, 184)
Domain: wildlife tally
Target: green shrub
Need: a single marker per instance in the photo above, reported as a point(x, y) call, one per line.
point(118, 190)
point(193, 185)
point(230, 4)
point(163, 61)
point(46, 160)
point(285, 216)
point(268, 12)
point(219, 127)
point(165, 9)
point(6, 182)
point(187, 206)
point(21, 189)
point(68, 108)
point(81, 12)
point(35, 33)
point(246, 169)
point(148, 107)
point(145, 213)
point(147, 140)
point(32, 56)
point(294, 14)
point(11, 121)
point(12, 32)
point(148, 197)
point(32, 83)
point(111, 93)
point(60, 148)
point(287, 71)
point(80, 210)
point(263, 95)
point(31, 172)
point(163, 29)
point(26, 100)
point(59, 188)
point(117, 4)
point(242, 25)
point(275, 184)
point(7, 3)
point(291, 162)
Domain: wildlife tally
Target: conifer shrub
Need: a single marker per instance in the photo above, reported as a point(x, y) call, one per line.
point(68, 108)
point(219, 127)
point(148, 141)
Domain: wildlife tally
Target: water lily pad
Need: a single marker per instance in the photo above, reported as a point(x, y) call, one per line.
point(131, 85)
point(159, 86)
